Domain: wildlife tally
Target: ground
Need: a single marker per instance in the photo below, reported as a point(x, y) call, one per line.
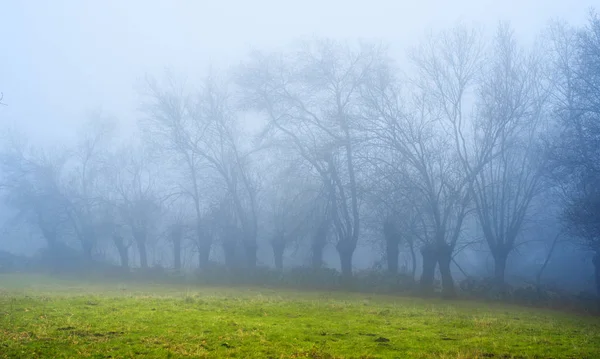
point(44, 317)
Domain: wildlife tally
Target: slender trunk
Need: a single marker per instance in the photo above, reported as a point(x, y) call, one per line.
point(392, 252)
point(429, 264)
point(413, 258)
point(391, 246)
point(177, 252)
point(318, 245)
point(596, 262)
point(444, 253)
point(204, 246)
point(123, 255)
point(346, 250)
point(538, 278)
point(278, 249)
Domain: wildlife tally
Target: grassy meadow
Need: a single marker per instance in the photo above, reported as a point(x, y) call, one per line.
point(47, 317)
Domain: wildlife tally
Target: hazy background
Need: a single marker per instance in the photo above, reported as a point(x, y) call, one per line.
point(61, 59)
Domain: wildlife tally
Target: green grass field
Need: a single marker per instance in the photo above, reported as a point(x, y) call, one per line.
point(44, 317)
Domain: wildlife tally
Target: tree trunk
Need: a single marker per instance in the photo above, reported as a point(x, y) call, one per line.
point(413, 258)
point(318, 245)
point(51, 238)
point(88, 247)
point(204, 246)
point(140, 240)
point(317, 253)
point(229, 252)
point(444, 253)
point(596, 262)
point(278, 249)
point(392, 242)
point(123, 255)
point(250, 249)
point(346, 250)
point(500, 258)
point(538, 278)
point(429, 264)
point(177, 252)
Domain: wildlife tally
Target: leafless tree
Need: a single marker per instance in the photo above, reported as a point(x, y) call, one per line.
point(290, 206)
point(32, 183)
point(420, 127)
point(137, 200)
point(506, 160)
point(574, 154)
point(203, 130)
point(82, 187)
point(310, 99)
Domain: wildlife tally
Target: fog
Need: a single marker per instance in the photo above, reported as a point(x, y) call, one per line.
point(97, 97)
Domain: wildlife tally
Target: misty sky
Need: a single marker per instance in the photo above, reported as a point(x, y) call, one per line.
point(61, 59)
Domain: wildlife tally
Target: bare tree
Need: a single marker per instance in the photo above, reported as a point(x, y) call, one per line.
point(290, 205)
point(423, 130)
point(84, 180)
point(169, 129)
point(32, 183)
point(137, 200)
point(310, 98)
point(203, 131)
point(506, 161)
point(574, 154)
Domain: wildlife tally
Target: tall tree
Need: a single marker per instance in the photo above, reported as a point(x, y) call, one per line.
point(138, 202)
point(310, 99)
point(204, 131)
point(575, 154)
point(506, 162)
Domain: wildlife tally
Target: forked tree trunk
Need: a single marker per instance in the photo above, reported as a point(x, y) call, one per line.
point(346, 250)
point(123, 253)
point(444, 253)
point(429, 263)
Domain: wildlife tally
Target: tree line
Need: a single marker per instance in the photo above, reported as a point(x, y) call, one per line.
point(331, 142)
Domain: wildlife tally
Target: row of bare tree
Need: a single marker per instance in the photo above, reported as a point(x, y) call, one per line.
point(331, 142)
